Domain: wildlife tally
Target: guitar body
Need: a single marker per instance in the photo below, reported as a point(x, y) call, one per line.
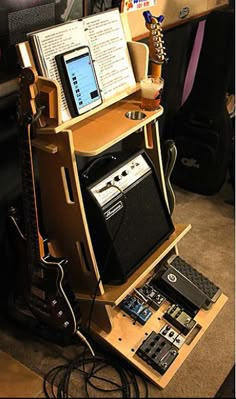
point(45, 289)
point(49, 296)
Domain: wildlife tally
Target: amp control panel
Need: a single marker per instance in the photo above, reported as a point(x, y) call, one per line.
point(120, 179)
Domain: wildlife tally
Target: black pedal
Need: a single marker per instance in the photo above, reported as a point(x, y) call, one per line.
point(179, 319)
point(179, 289)
point(153, 297)
point(207, 287)
point(136, 309)
point(158, 352)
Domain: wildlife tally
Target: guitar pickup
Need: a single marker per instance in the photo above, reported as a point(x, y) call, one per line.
point(38, 292)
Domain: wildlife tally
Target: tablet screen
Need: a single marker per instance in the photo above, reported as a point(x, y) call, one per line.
point(83, 85)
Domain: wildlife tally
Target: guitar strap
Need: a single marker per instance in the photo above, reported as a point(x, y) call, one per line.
point(193, 62)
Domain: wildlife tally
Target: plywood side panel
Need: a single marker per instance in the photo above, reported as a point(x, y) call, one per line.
point(63, 211)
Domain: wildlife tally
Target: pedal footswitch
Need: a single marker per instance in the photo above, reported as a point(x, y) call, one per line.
point(171, 335)
point(154, 298)
point(136, 309)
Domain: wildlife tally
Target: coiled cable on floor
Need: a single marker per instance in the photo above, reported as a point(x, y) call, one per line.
point(126, 382)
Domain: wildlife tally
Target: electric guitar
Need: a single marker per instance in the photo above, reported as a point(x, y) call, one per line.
point(48, 293)
point(157, 57)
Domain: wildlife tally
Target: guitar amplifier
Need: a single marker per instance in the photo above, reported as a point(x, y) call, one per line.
point(126, 212)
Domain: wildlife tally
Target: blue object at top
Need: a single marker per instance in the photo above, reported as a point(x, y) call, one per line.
point(148, 17)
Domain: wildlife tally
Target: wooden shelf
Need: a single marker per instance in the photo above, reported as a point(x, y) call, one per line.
point(56, 128)
point(115, 294)
point(106, 128)
point(102, 129)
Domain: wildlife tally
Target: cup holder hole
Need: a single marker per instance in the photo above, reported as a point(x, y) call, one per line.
point(135, 115)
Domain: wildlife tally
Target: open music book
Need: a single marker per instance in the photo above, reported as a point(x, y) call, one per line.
point(103, 33)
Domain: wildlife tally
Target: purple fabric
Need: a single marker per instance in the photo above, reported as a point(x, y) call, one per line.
point(192, 66)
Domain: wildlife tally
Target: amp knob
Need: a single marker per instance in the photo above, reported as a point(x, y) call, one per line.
point(125, 172)
point(117, 178)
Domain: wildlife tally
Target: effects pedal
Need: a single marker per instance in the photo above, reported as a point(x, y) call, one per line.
point(174, 337)
point(179, 319)
point(136, 309)
point(181, 288)
point(202, 283)
point(158, 352)
point(153, 297)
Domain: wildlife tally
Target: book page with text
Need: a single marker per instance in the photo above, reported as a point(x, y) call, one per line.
point(110, 52)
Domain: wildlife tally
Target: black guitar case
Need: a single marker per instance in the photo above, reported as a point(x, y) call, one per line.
point(202, 129)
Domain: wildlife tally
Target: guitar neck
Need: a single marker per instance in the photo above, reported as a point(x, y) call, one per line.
point(27, 114)
point(157, 55)
point(156, 69)
point(35, 241)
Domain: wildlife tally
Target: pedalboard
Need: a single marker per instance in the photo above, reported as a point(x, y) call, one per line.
point(153, 297)
point(172, 336)
point(136, 309)
point(178, 317)
point(158, 352)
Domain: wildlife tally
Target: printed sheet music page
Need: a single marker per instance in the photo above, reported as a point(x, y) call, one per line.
point(110, 53)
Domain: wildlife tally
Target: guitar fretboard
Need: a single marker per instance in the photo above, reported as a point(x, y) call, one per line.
point(29, 200)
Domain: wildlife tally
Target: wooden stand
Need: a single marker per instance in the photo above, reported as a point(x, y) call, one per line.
point(58, 144)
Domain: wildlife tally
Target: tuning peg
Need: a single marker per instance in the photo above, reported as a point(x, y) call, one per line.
point(161, 53)
point(158, 45)
point(156, 32)
point(159, 33)
point(157, 39)
point(153, 26)
point(160, 18)
point(148, 17)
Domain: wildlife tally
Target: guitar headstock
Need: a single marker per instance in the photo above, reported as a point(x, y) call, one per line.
point(28, 110)
point(157, 52)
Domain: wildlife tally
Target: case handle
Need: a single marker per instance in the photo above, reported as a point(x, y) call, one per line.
point(108, 157)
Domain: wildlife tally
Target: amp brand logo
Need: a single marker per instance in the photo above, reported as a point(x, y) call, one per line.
point(184, 12)
point(190, 163)
point(172, 278)
point(113, 210)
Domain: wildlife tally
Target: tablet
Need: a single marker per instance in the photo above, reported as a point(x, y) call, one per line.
point(79, 80)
